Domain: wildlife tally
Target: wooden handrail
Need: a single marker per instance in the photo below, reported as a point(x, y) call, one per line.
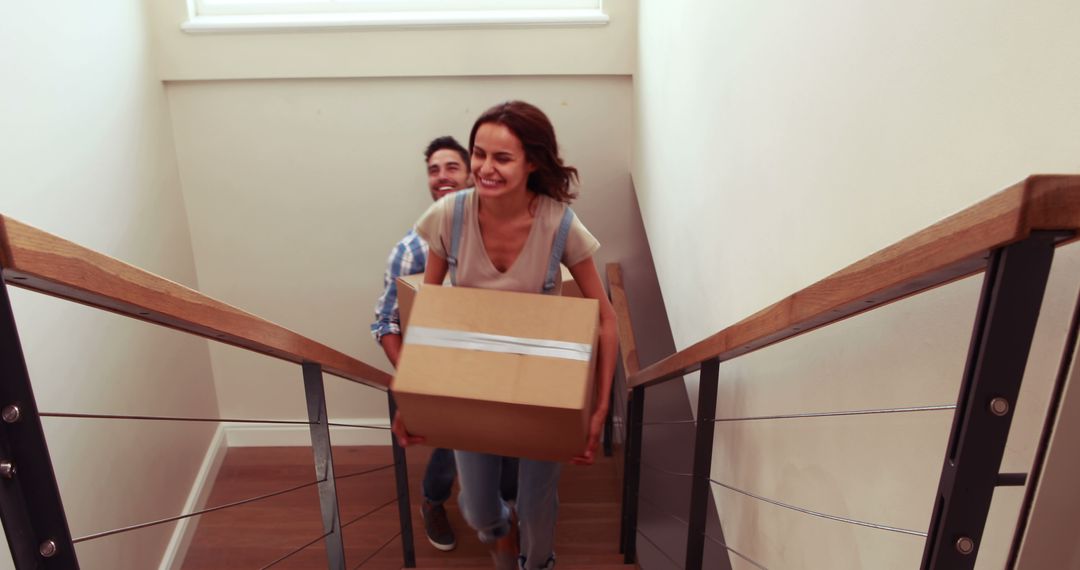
point(627, 344)
point(37, 260)
point(953, 248)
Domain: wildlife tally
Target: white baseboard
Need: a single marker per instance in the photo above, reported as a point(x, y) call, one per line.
point(256, 435)
point(200, 492)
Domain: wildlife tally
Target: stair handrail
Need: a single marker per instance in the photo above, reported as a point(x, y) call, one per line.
point(627, 343)
point(37, 260)
point(1011, 236)
point(954, 248)
point(31, 505)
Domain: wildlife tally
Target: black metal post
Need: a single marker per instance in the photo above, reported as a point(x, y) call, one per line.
point(30, 505)
point(623, 504)
point(1011, 480)
point(703, 448)
point(401, 476)
point(324, 464)
point(609, 426)
point(632, 475)
point(1004, 326)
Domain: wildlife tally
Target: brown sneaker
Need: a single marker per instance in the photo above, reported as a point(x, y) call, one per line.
point(437, 527)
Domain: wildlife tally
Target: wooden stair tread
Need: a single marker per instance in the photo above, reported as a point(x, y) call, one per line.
point(561, 566)
point(564, 564)
point(484, 560)
point(587, 535)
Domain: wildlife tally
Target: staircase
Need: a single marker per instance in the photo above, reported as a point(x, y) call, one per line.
point(255, 535)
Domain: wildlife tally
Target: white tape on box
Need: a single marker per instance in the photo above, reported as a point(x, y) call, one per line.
point(447, 338)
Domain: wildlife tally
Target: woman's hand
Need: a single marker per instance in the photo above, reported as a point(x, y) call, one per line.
point(404, 438)
point(588, 281)
point(596, 428)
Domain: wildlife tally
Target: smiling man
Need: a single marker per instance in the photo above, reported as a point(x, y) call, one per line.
point(447, 172)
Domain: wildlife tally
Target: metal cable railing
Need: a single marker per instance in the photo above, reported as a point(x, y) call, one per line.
point(240, 503)
point(658, 549)
point(31, 508)
point(663, 510)
point(936, 408)
point(69, 415)
point(201, 512)
point(345, 525)
point(327, 534)
point(295, 551)
point(896, 410)
point(842, 413)
point(333, 424)
point(818, 514)
point(358, 518)
point(378, 550)
point(365, 472)
point(370, 512)
point(655, 468)
point(179, 419)
point(735, 552)
point(686, 523)
point(1010, 237)
point(665, 471)
point(791, 507)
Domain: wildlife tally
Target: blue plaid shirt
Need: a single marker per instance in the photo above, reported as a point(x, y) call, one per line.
point(408, 257)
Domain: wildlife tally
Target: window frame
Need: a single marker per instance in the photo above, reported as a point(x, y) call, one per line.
point(209, 16)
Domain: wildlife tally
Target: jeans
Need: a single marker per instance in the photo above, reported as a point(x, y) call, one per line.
point(488, 514)
point(439, 477)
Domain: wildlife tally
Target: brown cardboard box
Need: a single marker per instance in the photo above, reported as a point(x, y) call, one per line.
point(406, 292)
point(497, 402)
point(408, 284)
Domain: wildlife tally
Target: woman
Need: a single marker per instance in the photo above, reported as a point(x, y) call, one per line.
point(507, 229)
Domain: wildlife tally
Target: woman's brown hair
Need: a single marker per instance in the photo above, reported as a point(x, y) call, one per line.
point(533, 128)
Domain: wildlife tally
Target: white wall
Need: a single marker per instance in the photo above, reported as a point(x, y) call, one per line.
point(298, 189)
point(1049, 540)
point(785, 140)
point(88, 155)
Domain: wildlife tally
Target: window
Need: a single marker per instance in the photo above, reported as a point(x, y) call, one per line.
point(255, 15)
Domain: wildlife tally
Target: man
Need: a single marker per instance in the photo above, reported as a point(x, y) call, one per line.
point(448, 171)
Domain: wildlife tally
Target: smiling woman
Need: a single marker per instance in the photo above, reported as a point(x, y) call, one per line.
point(260, 15)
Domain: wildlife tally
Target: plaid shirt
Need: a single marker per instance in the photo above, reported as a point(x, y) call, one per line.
point(408, 257)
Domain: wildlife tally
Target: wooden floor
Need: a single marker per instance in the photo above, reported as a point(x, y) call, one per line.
point(254, 535)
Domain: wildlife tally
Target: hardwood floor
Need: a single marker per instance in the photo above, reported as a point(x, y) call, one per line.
point(256, 534)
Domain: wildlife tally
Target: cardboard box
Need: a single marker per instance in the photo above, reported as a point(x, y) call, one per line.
point(408, 284)
point(479, 398)
point(406, 292)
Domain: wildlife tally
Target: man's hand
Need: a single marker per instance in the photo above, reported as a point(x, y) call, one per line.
point(596, 428)
point(404, 438)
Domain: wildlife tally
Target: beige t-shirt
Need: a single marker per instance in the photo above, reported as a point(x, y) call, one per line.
point(527, 273)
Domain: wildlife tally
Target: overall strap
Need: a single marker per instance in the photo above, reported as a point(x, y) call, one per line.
point(557, 249)
point(455, 234)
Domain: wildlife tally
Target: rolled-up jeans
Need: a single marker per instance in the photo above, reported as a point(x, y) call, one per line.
point(537, 505)
point(439, 477)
